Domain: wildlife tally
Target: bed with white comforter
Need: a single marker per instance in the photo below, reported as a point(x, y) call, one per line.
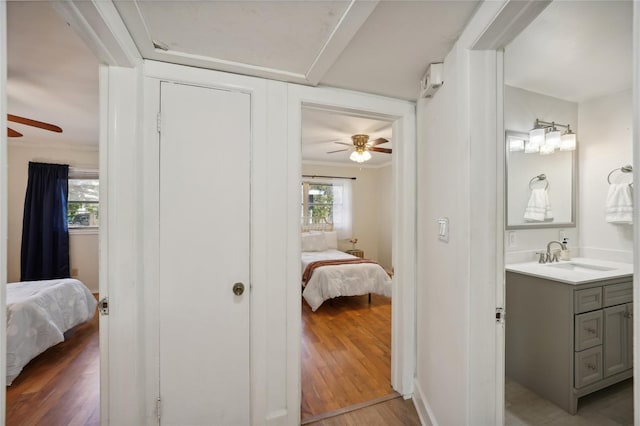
point(38, 314)
point(331, 281)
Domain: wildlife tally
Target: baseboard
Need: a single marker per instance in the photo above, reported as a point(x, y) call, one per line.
point(422, 406)
point(278, 417)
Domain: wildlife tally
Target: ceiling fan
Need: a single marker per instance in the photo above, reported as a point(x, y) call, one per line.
point(29, 122)
point(361, 147)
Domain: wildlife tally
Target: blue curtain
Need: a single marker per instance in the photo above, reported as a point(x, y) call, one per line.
point(45, 234)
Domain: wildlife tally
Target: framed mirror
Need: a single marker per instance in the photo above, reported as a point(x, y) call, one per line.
point(540, 190)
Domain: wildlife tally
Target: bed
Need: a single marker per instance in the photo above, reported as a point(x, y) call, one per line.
point(38, 315)
point(357, 277)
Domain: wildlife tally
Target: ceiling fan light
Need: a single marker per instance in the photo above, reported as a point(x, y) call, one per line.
point(360, 157)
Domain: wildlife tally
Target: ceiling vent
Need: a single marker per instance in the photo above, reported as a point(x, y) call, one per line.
point(432, 80)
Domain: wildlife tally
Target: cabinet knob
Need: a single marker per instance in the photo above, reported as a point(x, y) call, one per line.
point(591, 367)
point(591, 330)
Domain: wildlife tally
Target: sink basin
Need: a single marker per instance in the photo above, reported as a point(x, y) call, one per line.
point(580, 267)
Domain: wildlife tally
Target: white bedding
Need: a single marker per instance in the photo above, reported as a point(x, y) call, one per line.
point(38, 314)
point(332, 281)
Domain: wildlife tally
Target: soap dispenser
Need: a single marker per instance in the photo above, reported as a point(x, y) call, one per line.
point(565, 254)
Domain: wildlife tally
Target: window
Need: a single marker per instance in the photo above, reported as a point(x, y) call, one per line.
point(317, 205)
point(326, 206)
point(83, 203)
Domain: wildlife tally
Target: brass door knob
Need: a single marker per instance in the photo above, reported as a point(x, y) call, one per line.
point(238, 289)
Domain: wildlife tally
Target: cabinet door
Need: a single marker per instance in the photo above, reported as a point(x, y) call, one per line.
point(616, 358)
point(629, 339)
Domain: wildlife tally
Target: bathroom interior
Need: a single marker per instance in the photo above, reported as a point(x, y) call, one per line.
point(568, 213)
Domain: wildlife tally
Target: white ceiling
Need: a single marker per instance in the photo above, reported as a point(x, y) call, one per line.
point(51, 76)
point(574, 50)
point(322, 128)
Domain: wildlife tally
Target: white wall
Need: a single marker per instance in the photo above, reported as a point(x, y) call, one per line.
point(521, 108)
point(371, 207)
point(83, 248)
point(605, 144)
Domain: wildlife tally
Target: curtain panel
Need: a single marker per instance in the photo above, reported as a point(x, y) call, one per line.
point(45, 233)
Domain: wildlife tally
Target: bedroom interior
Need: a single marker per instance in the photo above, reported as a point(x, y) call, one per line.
point(346, 344)
point(592, 363)
point(63, 368)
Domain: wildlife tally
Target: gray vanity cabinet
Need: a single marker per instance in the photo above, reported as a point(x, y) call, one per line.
point(565, 341)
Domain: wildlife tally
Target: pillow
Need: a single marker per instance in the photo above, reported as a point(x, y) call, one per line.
point(332, 239)
point(314, 242)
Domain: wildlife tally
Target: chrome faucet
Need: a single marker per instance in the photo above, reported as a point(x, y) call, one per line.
point(550, 257)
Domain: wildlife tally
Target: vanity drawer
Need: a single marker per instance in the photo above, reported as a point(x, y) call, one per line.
point(588, 367)
point(616, 294)
point(588, 330)
point(587, 300)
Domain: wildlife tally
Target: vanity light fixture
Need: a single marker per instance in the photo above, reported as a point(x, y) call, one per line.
point(545, 138)
point(568, 140)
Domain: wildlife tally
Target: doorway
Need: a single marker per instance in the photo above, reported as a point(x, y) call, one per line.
point(56, 86)
point(592, 375)
point(346, 331)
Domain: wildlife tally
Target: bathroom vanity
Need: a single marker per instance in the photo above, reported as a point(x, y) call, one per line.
point(569, 327)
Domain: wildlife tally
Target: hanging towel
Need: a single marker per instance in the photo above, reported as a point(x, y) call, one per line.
point(538, 209)
point(619, 208)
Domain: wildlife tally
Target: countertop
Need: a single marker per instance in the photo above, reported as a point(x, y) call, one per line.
point(585, 271)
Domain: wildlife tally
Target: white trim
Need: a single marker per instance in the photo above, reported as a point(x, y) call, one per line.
point(402, 113)
point(352, 19)
point(425, 412)
point(352, 164)
point(100, 26)
point(636, 211)
point(84, 230)
point(3, 208)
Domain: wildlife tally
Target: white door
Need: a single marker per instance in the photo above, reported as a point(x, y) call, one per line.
point(204, 249)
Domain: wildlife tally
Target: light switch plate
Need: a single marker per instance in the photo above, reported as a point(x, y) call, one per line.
point(443, 229)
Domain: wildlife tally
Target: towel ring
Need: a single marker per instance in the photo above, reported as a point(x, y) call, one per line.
point(623, 169)
point(540, 177)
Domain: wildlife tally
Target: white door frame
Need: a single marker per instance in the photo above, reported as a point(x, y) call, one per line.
point(3, 209)
point(402, 113)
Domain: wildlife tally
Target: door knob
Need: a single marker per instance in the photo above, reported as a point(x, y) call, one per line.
point(238, 289)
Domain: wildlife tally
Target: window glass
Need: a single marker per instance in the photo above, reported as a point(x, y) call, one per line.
point(83, 203)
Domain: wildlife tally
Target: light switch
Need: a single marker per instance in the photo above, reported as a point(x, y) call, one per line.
point(513, 242)
point(443, 229)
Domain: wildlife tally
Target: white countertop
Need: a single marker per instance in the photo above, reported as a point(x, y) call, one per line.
point(585, 270)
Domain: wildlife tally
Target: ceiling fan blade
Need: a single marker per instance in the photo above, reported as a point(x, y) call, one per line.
point(385, 150)
point(12, 133)
point(377, 141)
point(340, 150)
point(34, 123)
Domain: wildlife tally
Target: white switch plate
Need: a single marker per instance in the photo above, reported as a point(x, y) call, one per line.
point(561, 234)
point(443, 229)
point(513, 241)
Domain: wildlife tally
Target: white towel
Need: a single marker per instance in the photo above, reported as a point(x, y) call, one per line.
point(538, 209)
point(619, 207)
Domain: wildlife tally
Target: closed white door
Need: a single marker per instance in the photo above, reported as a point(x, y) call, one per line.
point(204, 250)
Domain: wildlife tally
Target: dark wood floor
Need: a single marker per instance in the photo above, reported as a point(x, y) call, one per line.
point(60, 386)
point(346, 353)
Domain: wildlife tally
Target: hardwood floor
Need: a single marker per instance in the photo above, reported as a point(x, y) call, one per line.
point(62, 385)
point(395, 412)
point(346, 353)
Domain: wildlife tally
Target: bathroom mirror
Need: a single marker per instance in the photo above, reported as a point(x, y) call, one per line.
point(527, 177)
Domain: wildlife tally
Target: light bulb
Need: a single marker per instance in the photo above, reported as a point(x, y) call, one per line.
point(536, 140)
point(553, 138)
point(568, 141)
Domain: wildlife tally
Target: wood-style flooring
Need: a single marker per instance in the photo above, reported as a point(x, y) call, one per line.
point(346, 353)
point(61, 386)
point(395, 412)
point(612, 406)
